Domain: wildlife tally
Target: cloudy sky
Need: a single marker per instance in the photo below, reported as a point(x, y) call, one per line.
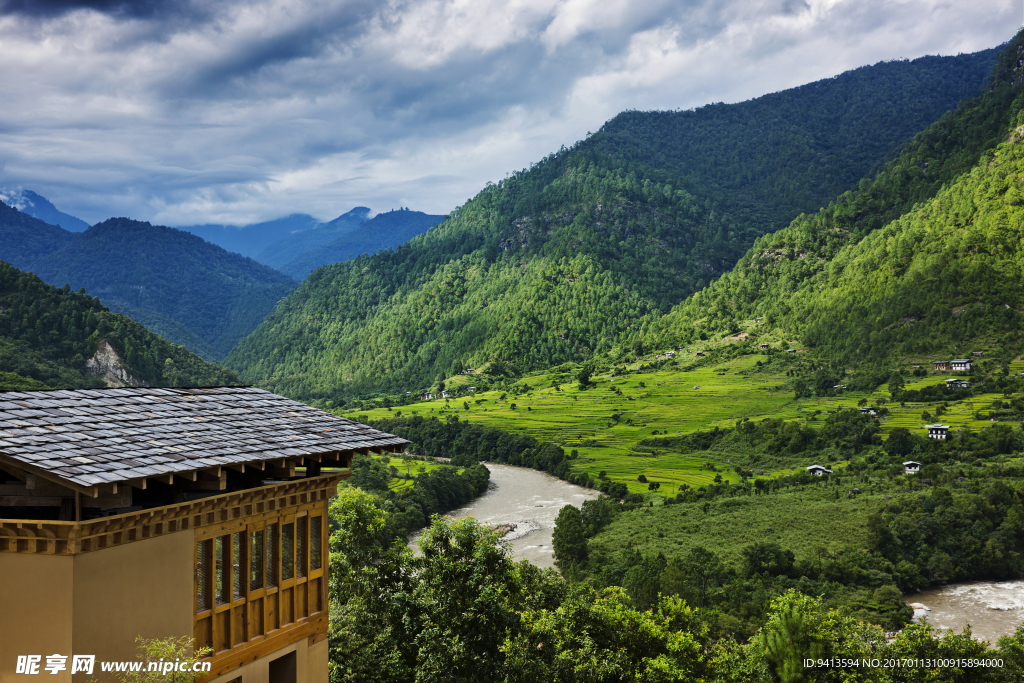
point(189, 112)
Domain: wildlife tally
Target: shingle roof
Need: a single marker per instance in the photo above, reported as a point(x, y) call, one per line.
point(99, 436)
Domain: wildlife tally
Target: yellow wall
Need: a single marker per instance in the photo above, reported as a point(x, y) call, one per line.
point(35, 611)
point(138, 589)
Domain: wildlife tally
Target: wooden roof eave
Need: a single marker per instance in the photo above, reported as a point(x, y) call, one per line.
point(9, 463)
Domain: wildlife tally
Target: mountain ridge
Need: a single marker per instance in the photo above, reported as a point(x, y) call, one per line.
point(563, 260)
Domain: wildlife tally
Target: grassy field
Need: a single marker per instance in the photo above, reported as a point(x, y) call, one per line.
point(666, 402)
point(800, 521)
point(407, 467)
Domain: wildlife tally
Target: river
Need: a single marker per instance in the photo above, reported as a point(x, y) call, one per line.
point(992, 609)
point(530, 500)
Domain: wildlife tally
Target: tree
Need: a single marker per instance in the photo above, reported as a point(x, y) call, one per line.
point(170, 651)
point(900, 442)
point(704, 569)
point(569, 538)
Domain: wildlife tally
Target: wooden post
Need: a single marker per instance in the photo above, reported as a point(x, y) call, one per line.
point(78, 507)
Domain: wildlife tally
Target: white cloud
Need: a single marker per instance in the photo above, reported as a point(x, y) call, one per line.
point(242, 111)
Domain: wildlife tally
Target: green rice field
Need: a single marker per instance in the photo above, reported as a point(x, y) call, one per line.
point(667, 402)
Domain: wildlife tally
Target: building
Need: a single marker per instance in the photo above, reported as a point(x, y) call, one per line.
point(960, 365)
point(937, 431)
point(700, 354)
point(957, 384)
point(911, 467)
point(670, 354)
point(977, 354)
point(818, 470)
point(170, 512)
point(446, 394)
point(940, 365)
point(763, 347)
point(426, 396)
point(790, 350)
point(868, 411)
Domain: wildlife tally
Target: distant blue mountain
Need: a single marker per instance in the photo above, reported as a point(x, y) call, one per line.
point(249, 240)
point(293, 246)
point(383, 231)
point(38, 206)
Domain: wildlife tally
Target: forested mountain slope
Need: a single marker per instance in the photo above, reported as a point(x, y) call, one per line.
point(383, 231)
point(942, 271)
point(24, 238)
point(560, 261)
point(217, 295)
point(48, 336)
point(766, 160)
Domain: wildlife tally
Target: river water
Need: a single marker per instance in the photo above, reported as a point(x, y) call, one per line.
point(530, 500)
point(992, 609)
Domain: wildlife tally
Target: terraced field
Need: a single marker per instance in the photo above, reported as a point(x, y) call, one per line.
point(605, 421)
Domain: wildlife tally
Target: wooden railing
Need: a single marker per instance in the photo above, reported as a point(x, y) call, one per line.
point(72, 538)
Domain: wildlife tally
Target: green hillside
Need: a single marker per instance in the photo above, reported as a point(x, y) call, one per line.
point(561, 261)
point(47, 334)
point(942, 274)
point(218, 296)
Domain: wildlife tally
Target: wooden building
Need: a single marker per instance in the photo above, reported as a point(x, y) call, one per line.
point(957, 384)
point(170, 512)
point(938, 431)
point(763, 347)
point(941, 365)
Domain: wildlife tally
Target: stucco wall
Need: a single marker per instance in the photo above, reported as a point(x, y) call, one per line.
point(138, 589)
point(35, 611)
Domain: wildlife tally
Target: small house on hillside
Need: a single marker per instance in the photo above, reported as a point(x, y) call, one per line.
point(426, 396)
point(446, 394)
point(700, 354)
point(670, 354)
point(790, 350)
point(763, 347)
point(937, 431)
point(940, 365)
point(818, 470)
point(977, 354)
point(960, 364)
point(911, 467)
point(956, 384)
point(868, 410)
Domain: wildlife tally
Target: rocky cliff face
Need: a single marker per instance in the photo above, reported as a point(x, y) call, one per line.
point(108, 366)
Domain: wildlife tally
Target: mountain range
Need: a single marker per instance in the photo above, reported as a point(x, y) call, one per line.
point(589, 248)
point(190, 291)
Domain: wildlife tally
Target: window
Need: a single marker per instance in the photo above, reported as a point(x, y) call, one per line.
point(202, 576)
point(220, 552)
point(238, 564)
point(300, 547)
point(256, 560)
point(271, 553)
point(315, 537)
point(288, 551)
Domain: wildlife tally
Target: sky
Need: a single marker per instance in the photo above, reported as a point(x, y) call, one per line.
point(214, 111)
